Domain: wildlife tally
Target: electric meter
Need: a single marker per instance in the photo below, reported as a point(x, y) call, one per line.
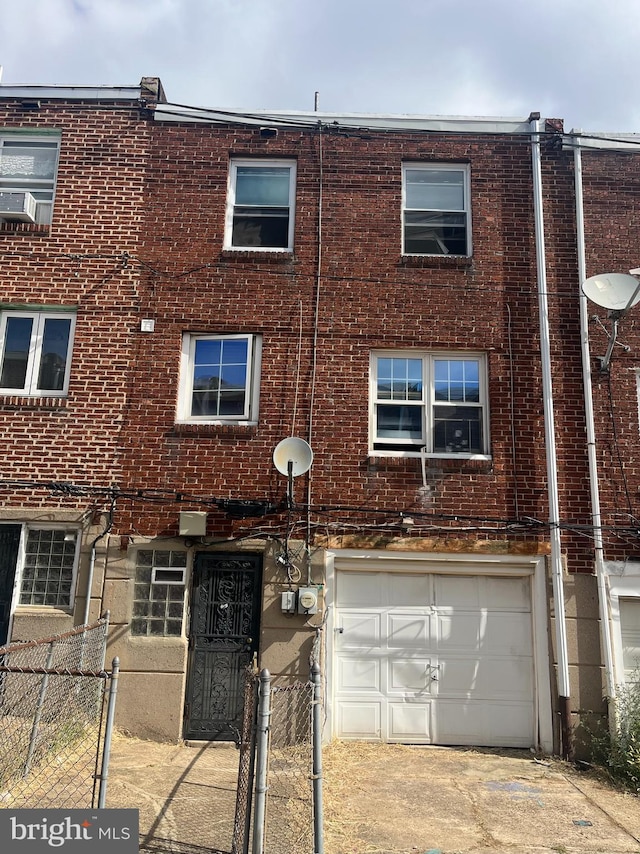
point(307, 600)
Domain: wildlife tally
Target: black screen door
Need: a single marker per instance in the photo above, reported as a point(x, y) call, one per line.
point(9, 545)
point(223, 636)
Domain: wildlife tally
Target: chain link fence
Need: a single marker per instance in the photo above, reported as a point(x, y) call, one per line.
point(51, 713)
point(279, 801)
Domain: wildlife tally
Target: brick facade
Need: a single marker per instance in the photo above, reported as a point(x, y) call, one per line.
point(138, 233)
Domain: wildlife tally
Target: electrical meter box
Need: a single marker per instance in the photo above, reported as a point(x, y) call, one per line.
point(288, 602)
point(308, 600)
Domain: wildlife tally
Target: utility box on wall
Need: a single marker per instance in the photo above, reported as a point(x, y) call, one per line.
point(193, 523)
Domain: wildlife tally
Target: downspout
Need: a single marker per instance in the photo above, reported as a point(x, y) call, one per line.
point(314, 354)
point(550, 446)
point(92, 560)
point(601, 575)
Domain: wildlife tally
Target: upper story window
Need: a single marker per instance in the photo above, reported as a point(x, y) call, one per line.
point(35, 352)
point(431, 403)
point(28, 167)
point(219, 378)
point(260, 205)
point(436, 210)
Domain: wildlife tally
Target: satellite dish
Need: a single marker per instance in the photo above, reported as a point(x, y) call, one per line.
point(295, 451)
point(614, 291)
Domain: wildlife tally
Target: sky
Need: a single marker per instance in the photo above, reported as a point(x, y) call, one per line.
point(570, 59)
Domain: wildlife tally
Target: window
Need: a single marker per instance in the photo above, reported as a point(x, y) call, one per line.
point(219, 378)
point(158, 597)
point(29, 164)
point(260, 205)
point(35, 350)
point(436, 210)
point(49, 567)
point(435, 402)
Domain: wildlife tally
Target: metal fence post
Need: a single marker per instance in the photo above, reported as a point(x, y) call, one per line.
point(316, 713)
point(262, 752)
point(108, 731)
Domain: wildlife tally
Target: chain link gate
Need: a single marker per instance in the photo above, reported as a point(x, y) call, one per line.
point(279, 802)
point(52, 720)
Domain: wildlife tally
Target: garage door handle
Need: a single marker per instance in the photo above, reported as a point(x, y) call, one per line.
point(339, 629)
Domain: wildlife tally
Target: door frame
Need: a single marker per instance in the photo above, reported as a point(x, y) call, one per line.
point(441, 563)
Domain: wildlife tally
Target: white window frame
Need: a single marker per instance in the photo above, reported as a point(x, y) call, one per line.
point(39, 318)
point(423, 447)
point(443, 167)
point(160, 580)
point(44, 206)
point(231, 194)
point(185, 389)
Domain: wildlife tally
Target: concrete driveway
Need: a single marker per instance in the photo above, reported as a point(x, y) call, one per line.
point(389, 799)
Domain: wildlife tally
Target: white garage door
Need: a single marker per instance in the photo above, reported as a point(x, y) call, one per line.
point(630, 630)
point(434, 659)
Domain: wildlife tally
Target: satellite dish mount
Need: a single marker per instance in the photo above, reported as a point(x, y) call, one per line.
point(293, 457)
point(617, 292)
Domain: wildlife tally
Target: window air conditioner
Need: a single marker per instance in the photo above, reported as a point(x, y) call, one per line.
point(17, 207)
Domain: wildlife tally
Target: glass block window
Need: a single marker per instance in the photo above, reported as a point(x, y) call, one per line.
point(49, 563)
point(158, 597)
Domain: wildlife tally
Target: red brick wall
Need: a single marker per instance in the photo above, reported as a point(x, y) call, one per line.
point(78, 262)
point(369, 297)
point(126, 243)
point(612, 226)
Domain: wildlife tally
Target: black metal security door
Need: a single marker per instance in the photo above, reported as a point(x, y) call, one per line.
point(9, 545)
point(223, 636)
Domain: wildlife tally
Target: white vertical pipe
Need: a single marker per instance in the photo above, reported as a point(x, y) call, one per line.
point(601, 576)
point(550, 440)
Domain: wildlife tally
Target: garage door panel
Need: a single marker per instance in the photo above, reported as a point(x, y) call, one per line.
point(508, 634)
point(359, 718)
point(359, 674)
point(409, 722)
point(630, 631)
point(476, 722)
point(409, 590)
point(485, 678)
point(413, 675)
point(508, 594)
point(408, 631)
point(488, 632)
point(360, 589)
point(460, 631)
point(457, 591)
point(360, 630)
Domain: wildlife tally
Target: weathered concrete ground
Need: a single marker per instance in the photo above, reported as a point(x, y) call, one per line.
point(385, 798)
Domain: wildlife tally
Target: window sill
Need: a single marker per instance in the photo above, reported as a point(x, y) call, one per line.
point(218, 428)
point(25, 402)
point(437, 262)
point(277, 255)
point(463, 463)
point(50, 610)
point(24, 228)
